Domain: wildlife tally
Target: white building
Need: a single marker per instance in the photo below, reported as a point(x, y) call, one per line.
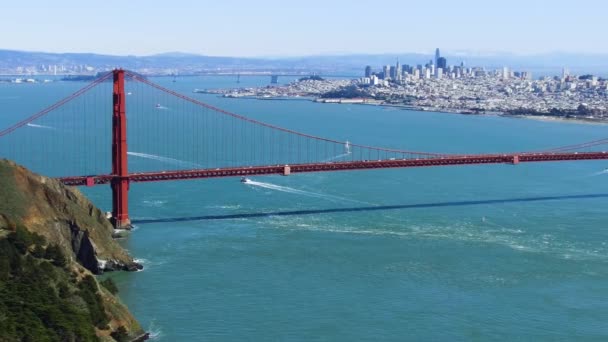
point(374, 80)
point(427, 73)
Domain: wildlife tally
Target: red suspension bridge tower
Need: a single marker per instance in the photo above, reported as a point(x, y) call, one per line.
point(211, 143)
point(120, 182)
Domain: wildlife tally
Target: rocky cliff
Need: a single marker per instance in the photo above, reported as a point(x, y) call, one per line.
point(62, 215)
point(55, 220)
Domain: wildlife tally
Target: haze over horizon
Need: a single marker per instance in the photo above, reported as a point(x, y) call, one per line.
point(272, 28)
point(445, 52)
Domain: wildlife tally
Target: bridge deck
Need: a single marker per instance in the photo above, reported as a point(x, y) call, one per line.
point(337, 166)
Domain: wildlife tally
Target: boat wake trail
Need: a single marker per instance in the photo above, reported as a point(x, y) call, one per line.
point(155, 203)
point(164, 159)
point(39, 126)
point(289, 190)
point(603, 172)
point(337, 157)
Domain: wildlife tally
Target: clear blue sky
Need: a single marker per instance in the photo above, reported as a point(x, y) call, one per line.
point(305, 27)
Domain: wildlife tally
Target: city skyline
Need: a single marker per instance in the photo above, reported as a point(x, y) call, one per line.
point(275, 29)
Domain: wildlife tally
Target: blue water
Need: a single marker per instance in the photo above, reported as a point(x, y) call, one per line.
point(450, 253)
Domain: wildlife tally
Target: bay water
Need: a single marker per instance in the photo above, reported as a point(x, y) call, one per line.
point(447, 253)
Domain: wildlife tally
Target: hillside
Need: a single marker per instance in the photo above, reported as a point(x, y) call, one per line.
point(52, 241)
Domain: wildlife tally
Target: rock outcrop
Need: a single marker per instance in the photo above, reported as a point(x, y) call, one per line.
point(69, 221)
point(63, 216)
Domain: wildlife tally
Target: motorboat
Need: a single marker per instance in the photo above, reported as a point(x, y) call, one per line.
point(245, 179)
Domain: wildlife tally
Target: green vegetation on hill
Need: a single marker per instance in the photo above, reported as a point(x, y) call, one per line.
point(40, 300)
point(12, 199)
point(348, 92)
point(51, 242)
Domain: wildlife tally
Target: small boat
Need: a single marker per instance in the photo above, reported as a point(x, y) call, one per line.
point(245, 179)
point(158, 105)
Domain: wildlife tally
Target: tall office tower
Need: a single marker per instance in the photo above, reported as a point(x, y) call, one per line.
point(386, 71)
point(393, 72)
point(505, 73)
point(442, 63)
point(398, 72)
point(565, 73)
point(368, 71)
point(437, 56)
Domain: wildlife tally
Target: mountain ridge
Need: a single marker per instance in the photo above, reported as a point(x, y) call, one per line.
point(353, 63)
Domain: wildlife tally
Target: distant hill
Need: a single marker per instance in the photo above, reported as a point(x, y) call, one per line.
point(351, 64)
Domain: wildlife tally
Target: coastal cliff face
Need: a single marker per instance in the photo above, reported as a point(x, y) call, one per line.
point(62, 215)
point(52, 241)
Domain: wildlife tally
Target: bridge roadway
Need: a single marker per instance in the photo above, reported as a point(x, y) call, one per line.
point(337, 166)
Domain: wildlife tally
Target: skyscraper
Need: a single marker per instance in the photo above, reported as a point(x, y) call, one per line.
point(437, 56)
point(386, 71)
point(398, 72)
point(442, 63)
point(368, 71)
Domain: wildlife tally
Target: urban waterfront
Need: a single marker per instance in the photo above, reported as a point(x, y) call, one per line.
point(458, 253)
point(437, 86)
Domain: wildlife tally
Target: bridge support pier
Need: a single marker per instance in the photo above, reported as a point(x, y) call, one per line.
point(120, 181)
point(120, 204)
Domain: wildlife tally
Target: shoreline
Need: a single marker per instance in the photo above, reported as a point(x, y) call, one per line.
point(549, 118)
point(543, 118)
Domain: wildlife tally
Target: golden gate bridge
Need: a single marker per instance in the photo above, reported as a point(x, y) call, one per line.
point(82, 140)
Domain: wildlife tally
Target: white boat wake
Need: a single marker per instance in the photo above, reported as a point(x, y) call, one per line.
point(155, 203)
point(164, 159)
point(40, 126)
point(300, 192)
point(337, 157)
point(603, 172)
